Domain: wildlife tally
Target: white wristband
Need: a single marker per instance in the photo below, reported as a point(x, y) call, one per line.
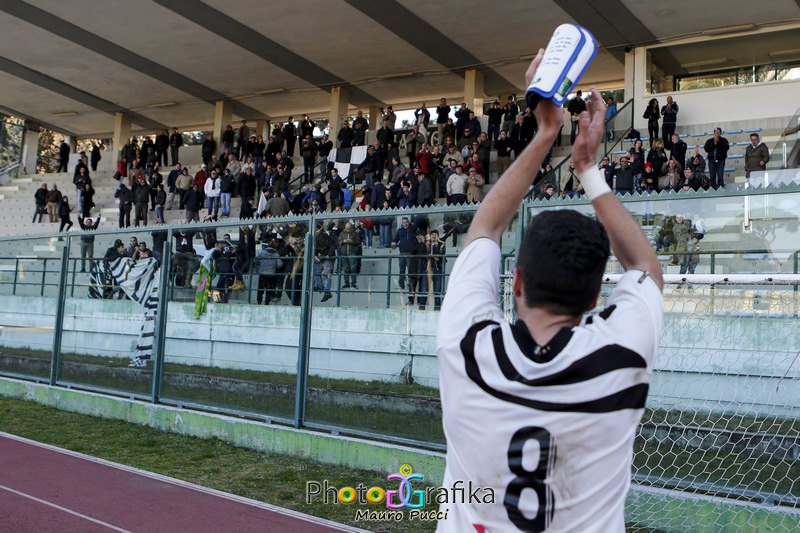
point(594, 183)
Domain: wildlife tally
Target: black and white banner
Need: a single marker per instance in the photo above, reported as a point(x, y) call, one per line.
point(139, 281)
point(345, 160)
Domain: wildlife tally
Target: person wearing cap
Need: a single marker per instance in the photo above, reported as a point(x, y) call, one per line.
point(475, 183)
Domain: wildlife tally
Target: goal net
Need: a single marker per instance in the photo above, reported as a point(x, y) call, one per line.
point(719, 444)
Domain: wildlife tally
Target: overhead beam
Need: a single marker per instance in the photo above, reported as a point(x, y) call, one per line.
point(79, 95)
point(262, 46)
point(66, 30)
point(428, 39)
point(614, 26)
point(58, 129)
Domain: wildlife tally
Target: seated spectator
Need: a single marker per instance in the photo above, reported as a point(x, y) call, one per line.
point(625, 178)
point(671, 176)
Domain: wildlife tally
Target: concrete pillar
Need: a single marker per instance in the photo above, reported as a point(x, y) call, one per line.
point(473, 91)
point(374, 122)
point(262, 128)
point(639, 81)
point(630, 75)
point(30, 148)
point(223, 114)
point(122, 132)
point(338, 114)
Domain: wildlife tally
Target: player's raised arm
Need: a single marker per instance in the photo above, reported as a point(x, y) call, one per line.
point(500, 205)
point(628, 243)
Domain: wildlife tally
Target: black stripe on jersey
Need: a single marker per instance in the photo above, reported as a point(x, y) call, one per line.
point(606, 359)
point(633, 397)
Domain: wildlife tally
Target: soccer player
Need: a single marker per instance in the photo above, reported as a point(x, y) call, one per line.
point(544, 411)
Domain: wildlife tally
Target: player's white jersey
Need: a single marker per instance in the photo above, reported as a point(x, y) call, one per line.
point(549, 428)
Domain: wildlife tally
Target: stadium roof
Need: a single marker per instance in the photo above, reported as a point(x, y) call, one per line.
point(72, 65)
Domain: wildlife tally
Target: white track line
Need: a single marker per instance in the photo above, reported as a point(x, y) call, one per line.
point(64, 509)
point(188, 485)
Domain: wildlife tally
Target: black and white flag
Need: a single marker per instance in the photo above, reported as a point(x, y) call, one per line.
point(139, 281)
point(345, 160)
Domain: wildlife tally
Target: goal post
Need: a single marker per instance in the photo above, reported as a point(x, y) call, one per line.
point(719, 444)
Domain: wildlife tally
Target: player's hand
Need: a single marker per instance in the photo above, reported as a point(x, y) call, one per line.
point(548, 115)
point(592, 122)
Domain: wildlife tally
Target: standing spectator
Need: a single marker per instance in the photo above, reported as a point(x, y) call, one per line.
point(422, 116)
point(182, 184)
point(326, 254)
point(247, 185)
point(258, 150)
point(405, 240)
point(160, 199)
point(324, 148)
point(475, 183)
point(268, 264)
point(625, 179)
point(671, 176)
point(609, 170)
point(141, 196)
point(611, 110)
point(212, 192)
point(503, 147)
point(290, 134)
point(227, 185)
point(88, 200)
point(63, 212)
point(346, 136)
point(442, 115)
point(414, 141)
point(349, 248)
point(437, 170)
point(756, 155)
point(637, 159)
point(677, 149)
point(87, 240)
point(162, 145)
point(241, 140)
point(472, 124)
point(462, 114)
point(53, 200)
point(128, 152)
point(95, 156)
point(308, 151)
point(193, 202)
point(670, 114)
point(175, 142)
point(576, 106)
point(207, 149)
point(307, 127)
point(518, 136)
point(368, 169)
point(40, 199)
point(652, 114)
point(172, 184)
point(125, 197)
point(657, 156)
point(484, 151)
point(418, 272)
point(495, 114)
point(425, 196)
point(436, 253)
point(389, 116)
point(80, 179)
point(511, 110)
point(63, 156)
point(448, 136)
point(717, 149)
point(360, 123)
point(456, 187)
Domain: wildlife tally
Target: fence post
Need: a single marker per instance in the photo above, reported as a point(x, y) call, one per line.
point(44, 274)
point(389, 283)
point(161, 318)
point(304, 344)
point(713, 263)
point(16, 275)
point(55, 366)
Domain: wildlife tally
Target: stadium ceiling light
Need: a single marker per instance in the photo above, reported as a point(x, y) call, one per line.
point(162, 104)
point(274, 90)
point(785, 54)
point(395, 75)
point(705, 63)
point(305, 89)
point(65, 113)
point(725, 30)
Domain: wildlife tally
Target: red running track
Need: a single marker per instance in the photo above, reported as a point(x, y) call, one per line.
point(44, 488)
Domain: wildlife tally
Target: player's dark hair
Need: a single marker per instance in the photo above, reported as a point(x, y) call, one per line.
point(562, 260)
